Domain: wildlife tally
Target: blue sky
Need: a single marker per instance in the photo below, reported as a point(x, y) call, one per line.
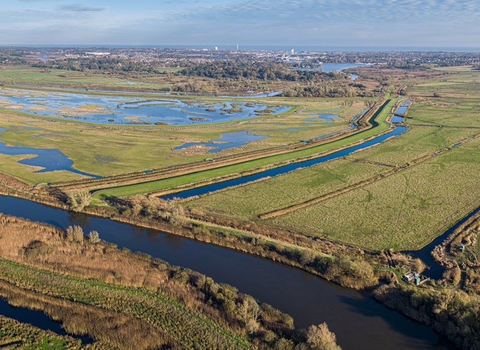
point(422, 23)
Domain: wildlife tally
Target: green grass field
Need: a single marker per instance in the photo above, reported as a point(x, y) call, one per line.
point(417, 142)
point(247, 202)
point(71, 79)
point(404, 211)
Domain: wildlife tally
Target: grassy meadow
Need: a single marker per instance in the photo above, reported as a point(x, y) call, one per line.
point(403, 211)
point(72, 79)
point(115, 149)
point(249, 201)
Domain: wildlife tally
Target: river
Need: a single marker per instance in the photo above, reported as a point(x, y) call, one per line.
point(357, 319)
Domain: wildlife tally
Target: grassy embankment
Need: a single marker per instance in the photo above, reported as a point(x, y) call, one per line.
point(128, 300)
point(255, 165)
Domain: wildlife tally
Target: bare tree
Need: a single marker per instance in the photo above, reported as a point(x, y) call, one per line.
point(94, 237)
point(79, 200)
point(321, 338)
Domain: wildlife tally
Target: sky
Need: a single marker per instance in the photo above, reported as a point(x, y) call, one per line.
point(358, 23)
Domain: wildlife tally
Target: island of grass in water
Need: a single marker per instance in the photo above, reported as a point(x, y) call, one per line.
point(131, 110)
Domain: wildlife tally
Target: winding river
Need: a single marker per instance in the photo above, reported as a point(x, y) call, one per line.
point(357, 319)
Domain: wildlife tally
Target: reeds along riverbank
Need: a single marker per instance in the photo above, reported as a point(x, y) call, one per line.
point(126, 291)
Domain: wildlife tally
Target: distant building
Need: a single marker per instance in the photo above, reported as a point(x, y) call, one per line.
point(98, 53)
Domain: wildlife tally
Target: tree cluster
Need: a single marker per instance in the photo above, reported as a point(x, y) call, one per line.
point(252, 70)
point(453, 313)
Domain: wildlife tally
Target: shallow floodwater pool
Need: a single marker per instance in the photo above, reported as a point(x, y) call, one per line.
point(226, 141)
point(47, 159)
point(130, 110)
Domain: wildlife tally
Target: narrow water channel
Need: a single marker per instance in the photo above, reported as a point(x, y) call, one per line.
point(435, 270)
point(357, 319)
point(37, 319)
point(286, 168)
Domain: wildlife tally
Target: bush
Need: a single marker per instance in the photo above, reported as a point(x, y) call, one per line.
point(321, 338)
point(94, 237)
point(74, 234)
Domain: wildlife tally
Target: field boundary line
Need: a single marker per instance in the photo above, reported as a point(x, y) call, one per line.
point(280, 212)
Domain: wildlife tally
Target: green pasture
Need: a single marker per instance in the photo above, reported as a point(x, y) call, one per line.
point(447, 113)
point(403, 211)
point(249, 201)
point(66, 78)
point(416, 143)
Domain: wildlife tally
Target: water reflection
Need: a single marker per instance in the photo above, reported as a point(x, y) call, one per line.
point(358, 320)
point(287, 168)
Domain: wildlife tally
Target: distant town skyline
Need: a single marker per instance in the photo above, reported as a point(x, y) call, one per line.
point(357, 23)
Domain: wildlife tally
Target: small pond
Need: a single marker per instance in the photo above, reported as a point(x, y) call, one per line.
point(226, 141)
point(37, 319)
point(325, 117)
point(403, 108)
point(396, 119)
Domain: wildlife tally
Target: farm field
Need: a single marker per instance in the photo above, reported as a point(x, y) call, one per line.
point(248, 201)
point(404, 211)
point(71, 79)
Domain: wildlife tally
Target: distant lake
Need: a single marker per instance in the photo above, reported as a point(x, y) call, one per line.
point(337, 67)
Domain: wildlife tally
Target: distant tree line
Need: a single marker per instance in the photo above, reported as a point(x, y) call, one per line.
point(256, 70)
point(104, 64)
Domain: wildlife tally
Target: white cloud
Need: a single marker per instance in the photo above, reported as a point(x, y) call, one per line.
point(80, 8)
point(315, 22)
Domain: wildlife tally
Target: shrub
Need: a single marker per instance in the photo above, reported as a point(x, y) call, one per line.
point(94, 237)
point(74, 234)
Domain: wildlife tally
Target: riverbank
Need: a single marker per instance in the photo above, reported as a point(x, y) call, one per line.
point(308, 299)
point(137, 299)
